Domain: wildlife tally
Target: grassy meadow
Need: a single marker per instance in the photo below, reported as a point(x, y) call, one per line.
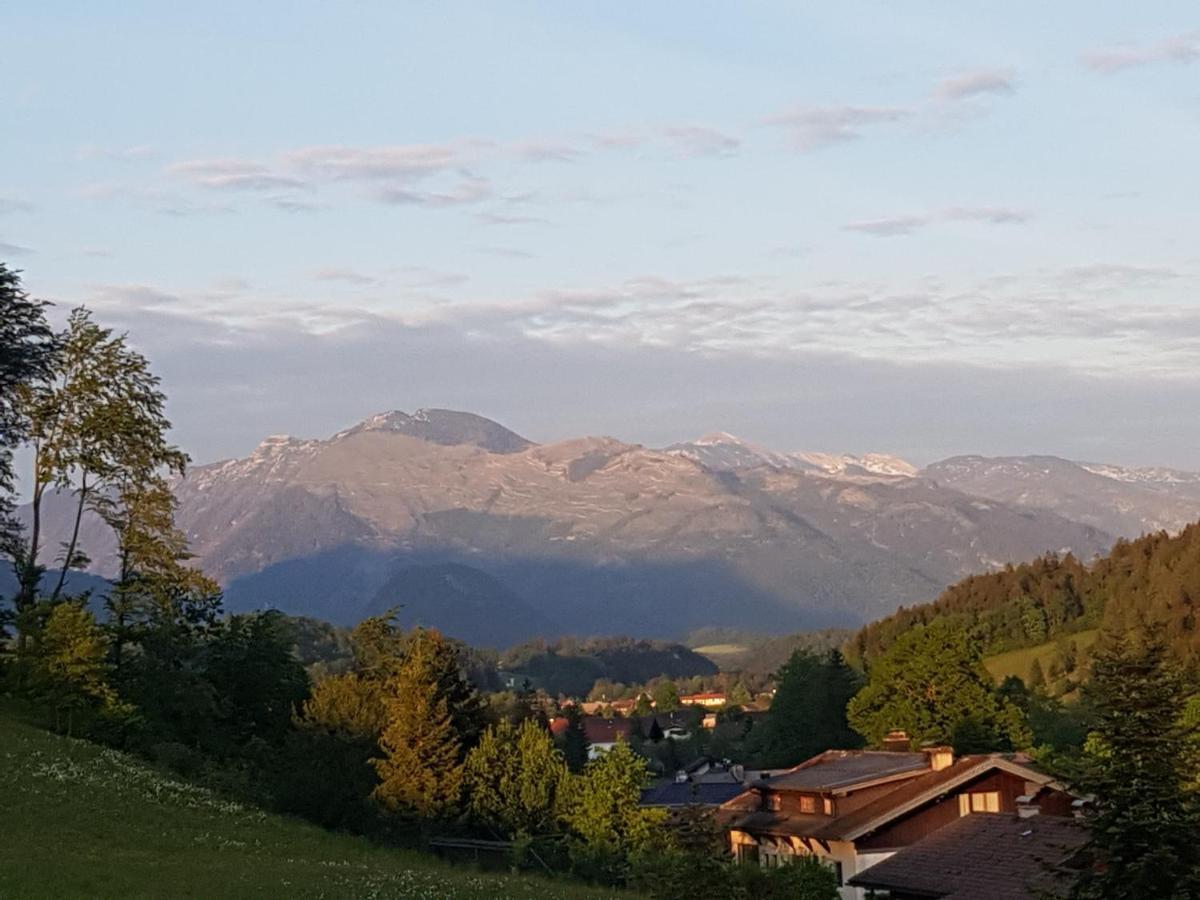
point(82, 820)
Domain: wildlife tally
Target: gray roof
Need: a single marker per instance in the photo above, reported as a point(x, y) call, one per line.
point(705, 793)
point(843, 768)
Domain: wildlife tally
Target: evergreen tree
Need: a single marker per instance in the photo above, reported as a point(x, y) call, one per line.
point(1140, 766)
point(573, 741)
point(808, 712)
point(28, 349)
point(514, 778)
point(932, 684)
point(421, 765)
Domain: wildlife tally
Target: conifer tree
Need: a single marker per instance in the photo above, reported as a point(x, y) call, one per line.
point(808, 712)
point(1139, 766)
point(423, 743)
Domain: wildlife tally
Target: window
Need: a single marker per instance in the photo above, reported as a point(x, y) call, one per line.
point(984, 801)
point(748, 853)
point(828, 806)
point(808, 803)
point(774, 802)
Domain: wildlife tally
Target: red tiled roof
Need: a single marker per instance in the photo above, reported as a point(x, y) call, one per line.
point(597, 729)
point(983, 856)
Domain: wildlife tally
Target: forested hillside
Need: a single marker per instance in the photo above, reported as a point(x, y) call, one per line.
point(1155, 578)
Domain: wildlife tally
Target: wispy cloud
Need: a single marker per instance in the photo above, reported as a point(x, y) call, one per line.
point(348, 276)
point(468, 190)
point(234, 174)
point(1184, 48)
point(893, 226)
point(697, 141)
point(115, 154)
point(975, 83)
point(13, 205)
point(8, 249)
point(812, 128)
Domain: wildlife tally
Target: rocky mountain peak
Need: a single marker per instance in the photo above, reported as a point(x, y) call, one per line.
point(447, 427)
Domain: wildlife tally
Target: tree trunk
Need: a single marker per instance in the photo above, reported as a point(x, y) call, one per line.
point(70, 555)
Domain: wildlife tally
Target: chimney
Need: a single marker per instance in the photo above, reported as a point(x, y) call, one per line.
point(940, 757)
point(739, 773)
point(897, 741)
point(1026, 807)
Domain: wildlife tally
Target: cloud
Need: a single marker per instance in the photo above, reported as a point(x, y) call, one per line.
point(234, 174)
point(694, 141)
point(115, 154)
point(812, 128)
point(497, 218)
point(907, 224)
point(506, 252)
point(974, 84)
point(14, 249)
point(13, 205)
point(545, 151)
point(1181, 49)
point(349, 276)
point(470, 189)
point(403, 162)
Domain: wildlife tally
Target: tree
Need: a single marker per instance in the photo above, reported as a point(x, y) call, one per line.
point(573, 741)
point(1139, 765)
point(932, 684)
point(739, 695)
point(28, 348)
point(602, 809)
point(97, 431)
point(423, 744)
point(70, 667)
point(808, 713)
point(514, 778)
point(666, 696)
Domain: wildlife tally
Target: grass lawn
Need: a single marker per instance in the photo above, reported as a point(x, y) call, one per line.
point(1019, 662)
point(81, 820)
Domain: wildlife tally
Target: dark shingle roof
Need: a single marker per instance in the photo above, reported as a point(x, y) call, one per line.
point(835, 769)
point(982, 856)
point(672, 793)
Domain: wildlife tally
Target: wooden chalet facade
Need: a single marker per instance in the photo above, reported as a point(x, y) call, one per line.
point(855, 808)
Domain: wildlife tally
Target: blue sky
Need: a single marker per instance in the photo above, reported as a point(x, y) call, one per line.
point(917, 228)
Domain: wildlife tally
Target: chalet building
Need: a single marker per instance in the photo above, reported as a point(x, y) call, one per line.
point(856, 808)
point(982, 857)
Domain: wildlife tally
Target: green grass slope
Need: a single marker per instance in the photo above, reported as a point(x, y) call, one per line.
point(1020, 662)
point(81, 820)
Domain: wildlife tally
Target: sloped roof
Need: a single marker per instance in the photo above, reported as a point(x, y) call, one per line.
point(983, 856)
point(597, 729)
point(924, 788)
point(706, 793)
point(835, 769)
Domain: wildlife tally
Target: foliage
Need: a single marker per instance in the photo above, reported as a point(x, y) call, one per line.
point(1155, 578)
point(1140, 765)
point(28, 348)
point(932, 685)
point(70, 667)
point(514, 778)
point(571, 667)
point(573, 741)
point(808, 712)
point(423, 743)
point(601, 808)
point(666, 696)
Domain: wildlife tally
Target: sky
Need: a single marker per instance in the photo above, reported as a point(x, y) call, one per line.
point(918, 228)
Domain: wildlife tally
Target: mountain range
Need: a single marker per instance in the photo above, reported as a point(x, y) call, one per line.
point(465, 525)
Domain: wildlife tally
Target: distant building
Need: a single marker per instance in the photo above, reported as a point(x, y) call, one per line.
point(709, 700)
point(601, 734)
point(855, 808)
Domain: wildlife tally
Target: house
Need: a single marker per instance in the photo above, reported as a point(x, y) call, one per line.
point(710, 699)
point(601, 734)
point(855, 808)
point(705, 782)
point(993, 856)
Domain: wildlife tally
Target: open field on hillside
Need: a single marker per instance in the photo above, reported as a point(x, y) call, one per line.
point(1019, 662)
point(82, 820)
